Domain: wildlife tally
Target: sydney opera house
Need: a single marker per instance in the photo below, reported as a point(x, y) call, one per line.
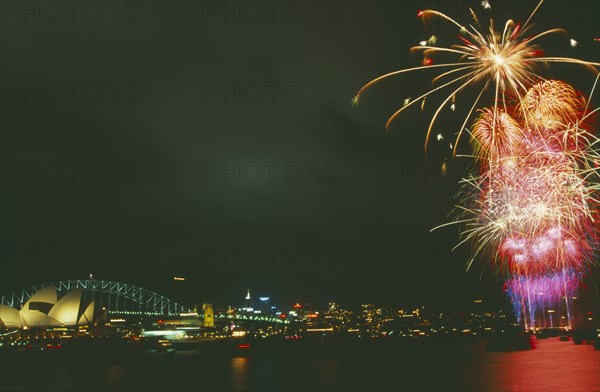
point(44, 309)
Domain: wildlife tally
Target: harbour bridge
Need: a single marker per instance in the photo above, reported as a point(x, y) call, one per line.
point(116, 297)
point(124, 299)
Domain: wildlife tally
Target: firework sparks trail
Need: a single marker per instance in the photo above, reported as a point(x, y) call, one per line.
point(537, 192)
point(533, 205)
point(532, 297)
point(501, 61)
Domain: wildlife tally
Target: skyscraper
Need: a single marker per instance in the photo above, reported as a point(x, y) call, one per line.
point(248, 303)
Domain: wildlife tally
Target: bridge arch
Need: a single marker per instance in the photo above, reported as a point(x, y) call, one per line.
point(118, 298)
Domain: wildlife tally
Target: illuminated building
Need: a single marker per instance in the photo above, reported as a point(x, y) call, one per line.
point(336, 317)
point(264, 305)
point(209, 316)
point(44, 309)
point(248, 303)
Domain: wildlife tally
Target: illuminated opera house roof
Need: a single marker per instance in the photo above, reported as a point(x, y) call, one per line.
point(45, 309)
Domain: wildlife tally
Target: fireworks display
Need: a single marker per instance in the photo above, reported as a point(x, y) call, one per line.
point(532, 205)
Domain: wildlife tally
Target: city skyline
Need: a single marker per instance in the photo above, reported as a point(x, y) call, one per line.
point(250, 297)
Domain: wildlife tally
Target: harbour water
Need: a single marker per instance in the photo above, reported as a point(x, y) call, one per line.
point(553, 365)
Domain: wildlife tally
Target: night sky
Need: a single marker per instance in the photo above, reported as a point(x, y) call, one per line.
point(160, 139)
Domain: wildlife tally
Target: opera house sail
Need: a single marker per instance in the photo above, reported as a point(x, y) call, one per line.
point(45, 309)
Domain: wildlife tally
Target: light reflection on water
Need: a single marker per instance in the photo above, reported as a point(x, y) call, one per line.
point(553, 366)
point(239, 373)
point(327, 372)
point(114, 376)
